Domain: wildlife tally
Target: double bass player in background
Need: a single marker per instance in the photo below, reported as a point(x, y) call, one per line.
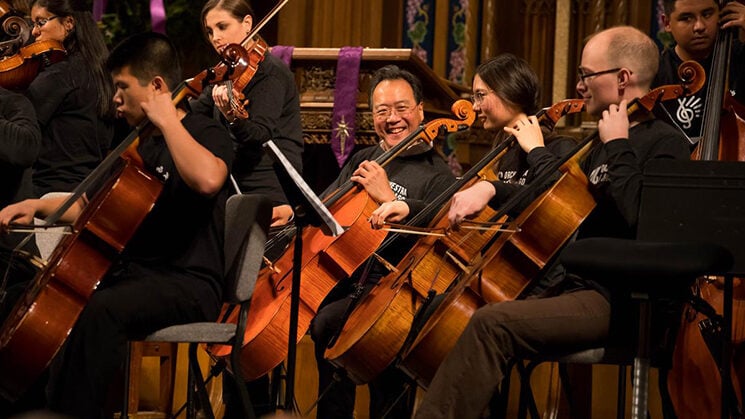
point(694, 25)
point(171, 270)
point(705, 31)
point(404, 186)
point(617, 65)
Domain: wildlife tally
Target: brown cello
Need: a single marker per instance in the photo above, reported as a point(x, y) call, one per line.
point(325, 260)
point(516, 258)
point(41, 319)
point(377, 328)
point(694, 381)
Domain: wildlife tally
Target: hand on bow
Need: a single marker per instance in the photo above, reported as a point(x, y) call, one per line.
point(470, 202)
point(389, 212)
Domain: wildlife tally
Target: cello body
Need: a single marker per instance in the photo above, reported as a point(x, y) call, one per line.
point(44, 315)
point(506, 268)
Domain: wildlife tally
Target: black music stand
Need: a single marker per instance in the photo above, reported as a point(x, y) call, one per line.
point(309, 210)
point(702, 201)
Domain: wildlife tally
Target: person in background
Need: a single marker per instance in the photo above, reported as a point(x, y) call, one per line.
point(72, 97)
point(273, 108)
point(694, 25)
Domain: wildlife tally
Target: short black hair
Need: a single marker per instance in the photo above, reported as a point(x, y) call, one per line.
point(147, 55)
point(394, 72)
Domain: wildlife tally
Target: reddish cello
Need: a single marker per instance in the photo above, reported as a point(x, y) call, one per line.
point(694, 381)
point(516, 258)
point(326, 260)
point(40, 321)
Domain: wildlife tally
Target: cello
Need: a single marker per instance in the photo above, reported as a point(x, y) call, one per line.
point(377, 328)
point(44, 315)
point(325, 260)
point(693, 382)
point(516, 258)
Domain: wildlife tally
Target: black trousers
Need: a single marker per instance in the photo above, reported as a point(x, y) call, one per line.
point(390, 397)
point(133, 302)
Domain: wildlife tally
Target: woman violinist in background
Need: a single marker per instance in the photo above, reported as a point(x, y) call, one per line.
point(273, 114)
point(72, 97)
point(273, 108)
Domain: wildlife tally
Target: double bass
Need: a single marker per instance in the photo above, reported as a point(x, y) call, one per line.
point(693, 382)
point(42, 318)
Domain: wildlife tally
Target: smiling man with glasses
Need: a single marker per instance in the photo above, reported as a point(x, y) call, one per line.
point(402, 188)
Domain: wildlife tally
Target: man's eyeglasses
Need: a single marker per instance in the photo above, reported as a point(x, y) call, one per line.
point(582, 75)
point(385, 113)
point(478, 96)
point(41, 22)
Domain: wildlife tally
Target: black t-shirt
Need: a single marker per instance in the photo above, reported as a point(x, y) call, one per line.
point(687, 112)
point(518, 168)
point(273, 114)
point(74, 139)
point(184, 232)
point(417, 175)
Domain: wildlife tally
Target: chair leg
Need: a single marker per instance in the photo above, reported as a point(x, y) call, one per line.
point(527, 400)
point(621, 400)
point(197, 384)
point(125, 401)
point(640, 387)
point(500, 400)
point(248, 410)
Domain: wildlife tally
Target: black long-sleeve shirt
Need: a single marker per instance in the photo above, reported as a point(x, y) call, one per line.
point(74, 138)
point(273, 114)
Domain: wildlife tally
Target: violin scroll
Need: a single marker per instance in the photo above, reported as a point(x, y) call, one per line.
point(692, 78)
point(462, 109)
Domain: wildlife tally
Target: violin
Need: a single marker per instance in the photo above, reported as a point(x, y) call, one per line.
point(256, 47)
point(514, 259)
point(325, 261)
point(19, 70)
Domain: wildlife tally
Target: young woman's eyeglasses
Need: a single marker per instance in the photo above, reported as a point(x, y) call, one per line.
point(41, 22)
point(478, 96)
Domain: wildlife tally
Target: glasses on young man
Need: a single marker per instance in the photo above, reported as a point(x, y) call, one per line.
point(584, 76)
